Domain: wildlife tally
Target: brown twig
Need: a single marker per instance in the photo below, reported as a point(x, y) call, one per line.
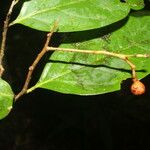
point(104, 52)
point(34, 64)
point(4, 35)
point(132, 66)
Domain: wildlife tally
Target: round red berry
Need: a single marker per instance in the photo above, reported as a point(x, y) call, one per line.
point(138, 88)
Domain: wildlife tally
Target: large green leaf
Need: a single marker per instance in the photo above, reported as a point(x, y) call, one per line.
point(72, 15)
point(6, 98)
point(89, 74)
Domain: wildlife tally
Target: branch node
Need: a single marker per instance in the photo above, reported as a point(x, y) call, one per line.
point(35, 62)
point(31, 68)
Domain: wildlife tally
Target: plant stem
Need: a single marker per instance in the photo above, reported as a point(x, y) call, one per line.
point(104, 52)
point(34, 64)
point(4, 35)
point(132, 66)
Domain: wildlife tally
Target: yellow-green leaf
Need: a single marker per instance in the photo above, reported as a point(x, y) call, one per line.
point(6, 98)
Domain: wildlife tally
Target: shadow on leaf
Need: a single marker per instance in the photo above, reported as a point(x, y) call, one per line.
point(95, 66)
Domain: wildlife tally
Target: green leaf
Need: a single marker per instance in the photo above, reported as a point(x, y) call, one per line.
point(89, 74)
point(136, 4)
point(72, 15)
point(6, 98)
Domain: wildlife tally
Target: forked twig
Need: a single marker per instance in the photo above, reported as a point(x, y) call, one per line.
point(34, 64)
point(47, 48)
point(4, 35)
point(104, 52)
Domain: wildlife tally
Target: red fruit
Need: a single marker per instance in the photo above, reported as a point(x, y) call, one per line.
point(138, 88)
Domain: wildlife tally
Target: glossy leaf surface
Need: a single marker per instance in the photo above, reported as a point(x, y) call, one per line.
point(72, 15)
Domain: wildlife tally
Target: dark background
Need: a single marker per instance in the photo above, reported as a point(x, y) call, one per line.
point(46, 120)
